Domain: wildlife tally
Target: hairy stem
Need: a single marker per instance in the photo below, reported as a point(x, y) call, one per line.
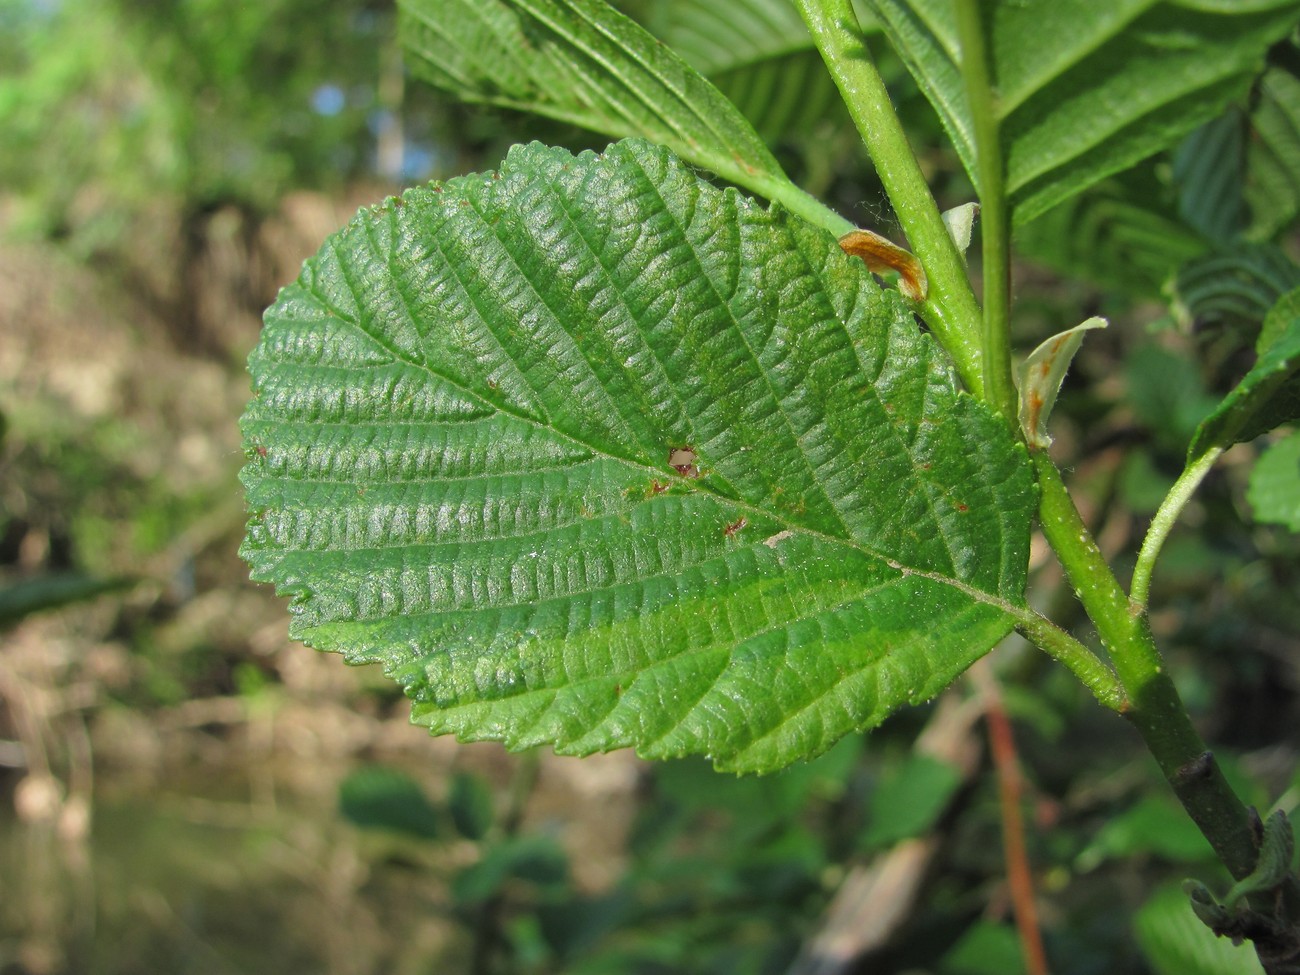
point(995, 236)
point(1082, 662)
point(1163, 523)
point(950, 308)
point(1155, 709)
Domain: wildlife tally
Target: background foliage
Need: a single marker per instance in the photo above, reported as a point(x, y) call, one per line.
point(189, 790)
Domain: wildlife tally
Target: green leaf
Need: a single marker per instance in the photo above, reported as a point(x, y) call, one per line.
point(909, 799)
point(1155, 826)
point(590, 452)
point(1237, 285)
point(532, 859)
point(1175, 942)
point(1209, 170)
point(24, 597)
point(1274, 491)
point(1273, 154)
point(1125, 231)
point(1278, 319)
point(760, 55)
point(1266, 397)
point(583, 62)
point(470, 803)
point(378, 797)
point(1122, 233)
point(1167, 393)
point(985, 948)
point(1087, 89)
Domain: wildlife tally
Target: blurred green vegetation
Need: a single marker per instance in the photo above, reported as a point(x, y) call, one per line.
point(184, 790)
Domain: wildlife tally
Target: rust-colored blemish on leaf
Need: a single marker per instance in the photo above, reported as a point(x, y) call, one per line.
point(657, 487)
point(682, 460)
point(735, 526)
point(881, 254)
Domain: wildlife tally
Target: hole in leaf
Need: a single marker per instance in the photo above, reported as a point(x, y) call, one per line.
point(682, 460)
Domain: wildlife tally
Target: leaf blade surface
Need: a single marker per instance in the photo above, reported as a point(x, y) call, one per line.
point(466, 452)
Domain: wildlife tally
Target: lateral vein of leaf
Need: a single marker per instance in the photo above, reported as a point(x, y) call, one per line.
point(449, 422)
point(577, 227)
point(726, 643)
point(379, 485)
point(348, 318)
point(735, 328)
point(635, 90)
point(895, 433)
point(557, 321)
point(712, 557)
point(538, 399)
point(388, 256)
point(435, 27)
point(918, 644)
point(930, 489)
point(585, 116)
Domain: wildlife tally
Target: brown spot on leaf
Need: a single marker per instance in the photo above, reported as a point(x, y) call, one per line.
point(682, 460)
point(735, 526)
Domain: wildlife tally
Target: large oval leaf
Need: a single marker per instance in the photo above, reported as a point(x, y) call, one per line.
point(590, 452)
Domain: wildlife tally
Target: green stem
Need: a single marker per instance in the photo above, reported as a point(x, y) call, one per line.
point(1163, 523)
point(1082, 662)
point(1155, 709)
point(950, 308)
point(995, 236)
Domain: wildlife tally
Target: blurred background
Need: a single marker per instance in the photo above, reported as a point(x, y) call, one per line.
point(183, 790)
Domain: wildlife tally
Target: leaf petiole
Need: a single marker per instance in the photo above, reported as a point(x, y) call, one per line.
point(1163, 523)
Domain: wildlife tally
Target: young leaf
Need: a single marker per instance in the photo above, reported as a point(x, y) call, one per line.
point(1040, 377)
point(583, 62)
point(1266, 397)
point(1274, 492)
point(1087, 89)
point(590, 452)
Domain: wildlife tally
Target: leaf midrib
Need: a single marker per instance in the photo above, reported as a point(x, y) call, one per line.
point(741, 506)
